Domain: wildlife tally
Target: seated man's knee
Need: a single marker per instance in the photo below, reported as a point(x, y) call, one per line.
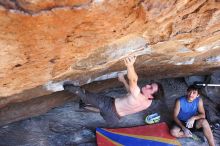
point(202, 123)
point(174, 132)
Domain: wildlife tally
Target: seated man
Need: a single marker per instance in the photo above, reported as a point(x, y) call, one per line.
point(189, 112)
point(112, 109)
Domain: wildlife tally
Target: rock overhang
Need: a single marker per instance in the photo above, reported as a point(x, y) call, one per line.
point(86, 41)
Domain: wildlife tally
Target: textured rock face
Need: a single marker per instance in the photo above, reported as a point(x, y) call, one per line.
point(84, 40)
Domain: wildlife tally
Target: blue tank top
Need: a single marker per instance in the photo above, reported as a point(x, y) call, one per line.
point(187, 109)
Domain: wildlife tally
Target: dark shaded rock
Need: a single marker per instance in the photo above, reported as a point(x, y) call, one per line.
point(85, 40)
point(68, 125)
point(190, 80)
point(33, 107)
point(213, 92)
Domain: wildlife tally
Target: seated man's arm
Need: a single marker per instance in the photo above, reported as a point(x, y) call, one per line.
point(201, 110)
point(186, 131)
point(175, 114)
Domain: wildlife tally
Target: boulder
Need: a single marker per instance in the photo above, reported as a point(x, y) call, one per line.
point(50, 41)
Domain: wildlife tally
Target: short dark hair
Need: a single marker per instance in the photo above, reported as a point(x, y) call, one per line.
point(160, 92)
point(193, 88)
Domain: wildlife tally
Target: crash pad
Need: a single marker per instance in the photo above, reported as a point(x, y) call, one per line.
point(147, 135)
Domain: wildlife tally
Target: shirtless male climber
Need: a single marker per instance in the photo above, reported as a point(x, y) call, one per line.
point(113, 109)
